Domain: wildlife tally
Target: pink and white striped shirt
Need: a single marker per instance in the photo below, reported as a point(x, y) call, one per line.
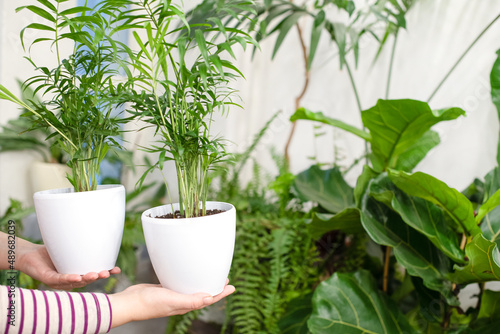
point(25, 311)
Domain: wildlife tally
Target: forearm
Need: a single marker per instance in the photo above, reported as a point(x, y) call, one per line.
point(35, 311)
point(12, 249)
point(123, 309)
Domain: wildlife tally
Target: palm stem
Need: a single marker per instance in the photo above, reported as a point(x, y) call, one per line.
point(461, 58)
point(391, 64)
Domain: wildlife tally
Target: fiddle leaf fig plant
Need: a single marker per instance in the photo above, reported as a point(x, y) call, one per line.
point(182, 78)
point(436, 239)
point(80, 92)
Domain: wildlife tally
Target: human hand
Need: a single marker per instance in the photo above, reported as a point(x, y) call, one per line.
point(148, 301)
point(34, 261)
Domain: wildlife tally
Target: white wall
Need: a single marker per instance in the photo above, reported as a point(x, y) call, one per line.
point(438, 32)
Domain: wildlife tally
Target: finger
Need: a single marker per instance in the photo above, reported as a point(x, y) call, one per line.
point(228, 289)
point(209, 300)
point(115, 270)
point(104, 274)
point(69, 278)
point(90, 277)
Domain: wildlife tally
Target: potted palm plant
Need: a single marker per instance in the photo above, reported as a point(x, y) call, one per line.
point(81, 226)
point(183, 77)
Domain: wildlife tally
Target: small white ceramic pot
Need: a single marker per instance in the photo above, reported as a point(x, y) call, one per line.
point(82, 230)
point(191, 255)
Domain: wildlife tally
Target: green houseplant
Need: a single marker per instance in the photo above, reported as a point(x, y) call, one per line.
point(79, 99)
point(182, 79)
point(436, 240)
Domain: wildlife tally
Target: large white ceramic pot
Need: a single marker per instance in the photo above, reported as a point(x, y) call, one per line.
point(82, 230)
point(191, 255)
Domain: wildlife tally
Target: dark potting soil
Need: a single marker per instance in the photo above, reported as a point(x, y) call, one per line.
point(178, 214)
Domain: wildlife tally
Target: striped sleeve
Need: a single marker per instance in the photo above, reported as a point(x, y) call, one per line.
point(47, 312)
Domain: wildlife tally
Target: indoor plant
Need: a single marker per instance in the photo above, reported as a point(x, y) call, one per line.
point(182, 81)
point(80, 97)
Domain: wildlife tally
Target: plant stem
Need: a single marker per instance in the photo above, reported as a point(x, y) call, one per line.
point(354, 88)
point(358, 101)
point(389, 75)
point(462, 57)
point(480, 296)
point(57, 35)
point(446, 318)
point(387, 260)
point(463, 243)
point(298, 99)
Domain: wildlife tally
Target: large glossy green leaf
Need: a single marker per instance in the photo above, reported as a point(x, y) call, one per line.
point(410, 158)
point(412, 249)
point(490, 305)
point(397, 125)
point(348, 221)
point(430, 301)
point(483, 265)
point(362, 184)
point(483, 326)
point(430, 220)
point(425, 186)
point(326, 187)
point(305, 114)
point(352, 304)
point(490, 216)
point(495, 91)
point(298, 311)
point(490, 204)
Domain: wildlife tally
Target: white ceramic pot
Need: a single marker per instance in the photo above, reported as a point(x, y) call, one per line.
point(82, 230)
point(191, 255)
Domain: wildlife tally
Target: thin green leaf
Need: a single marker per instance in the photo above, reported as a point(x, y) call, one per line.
point(306, 114)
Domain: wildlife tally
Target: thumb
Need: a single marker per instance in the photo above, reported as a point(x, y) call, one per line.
point(198, 300)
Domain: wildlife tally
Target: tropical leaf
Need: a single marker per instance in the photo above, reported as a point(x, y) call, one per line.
point(305, 114)
point(430, 220)
point(412, 249)
point(352, 303)
point(348, 221)
point(397, 125)
point(410, 158)
point(490, 305)
point(425, 186)
point(362, 184)
point(325, 187)
point(298, 311)
point(430, 301)
point(495, 91)
point(490, 204)
point(483, 326)
point(483, 265)
point(490, 217)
